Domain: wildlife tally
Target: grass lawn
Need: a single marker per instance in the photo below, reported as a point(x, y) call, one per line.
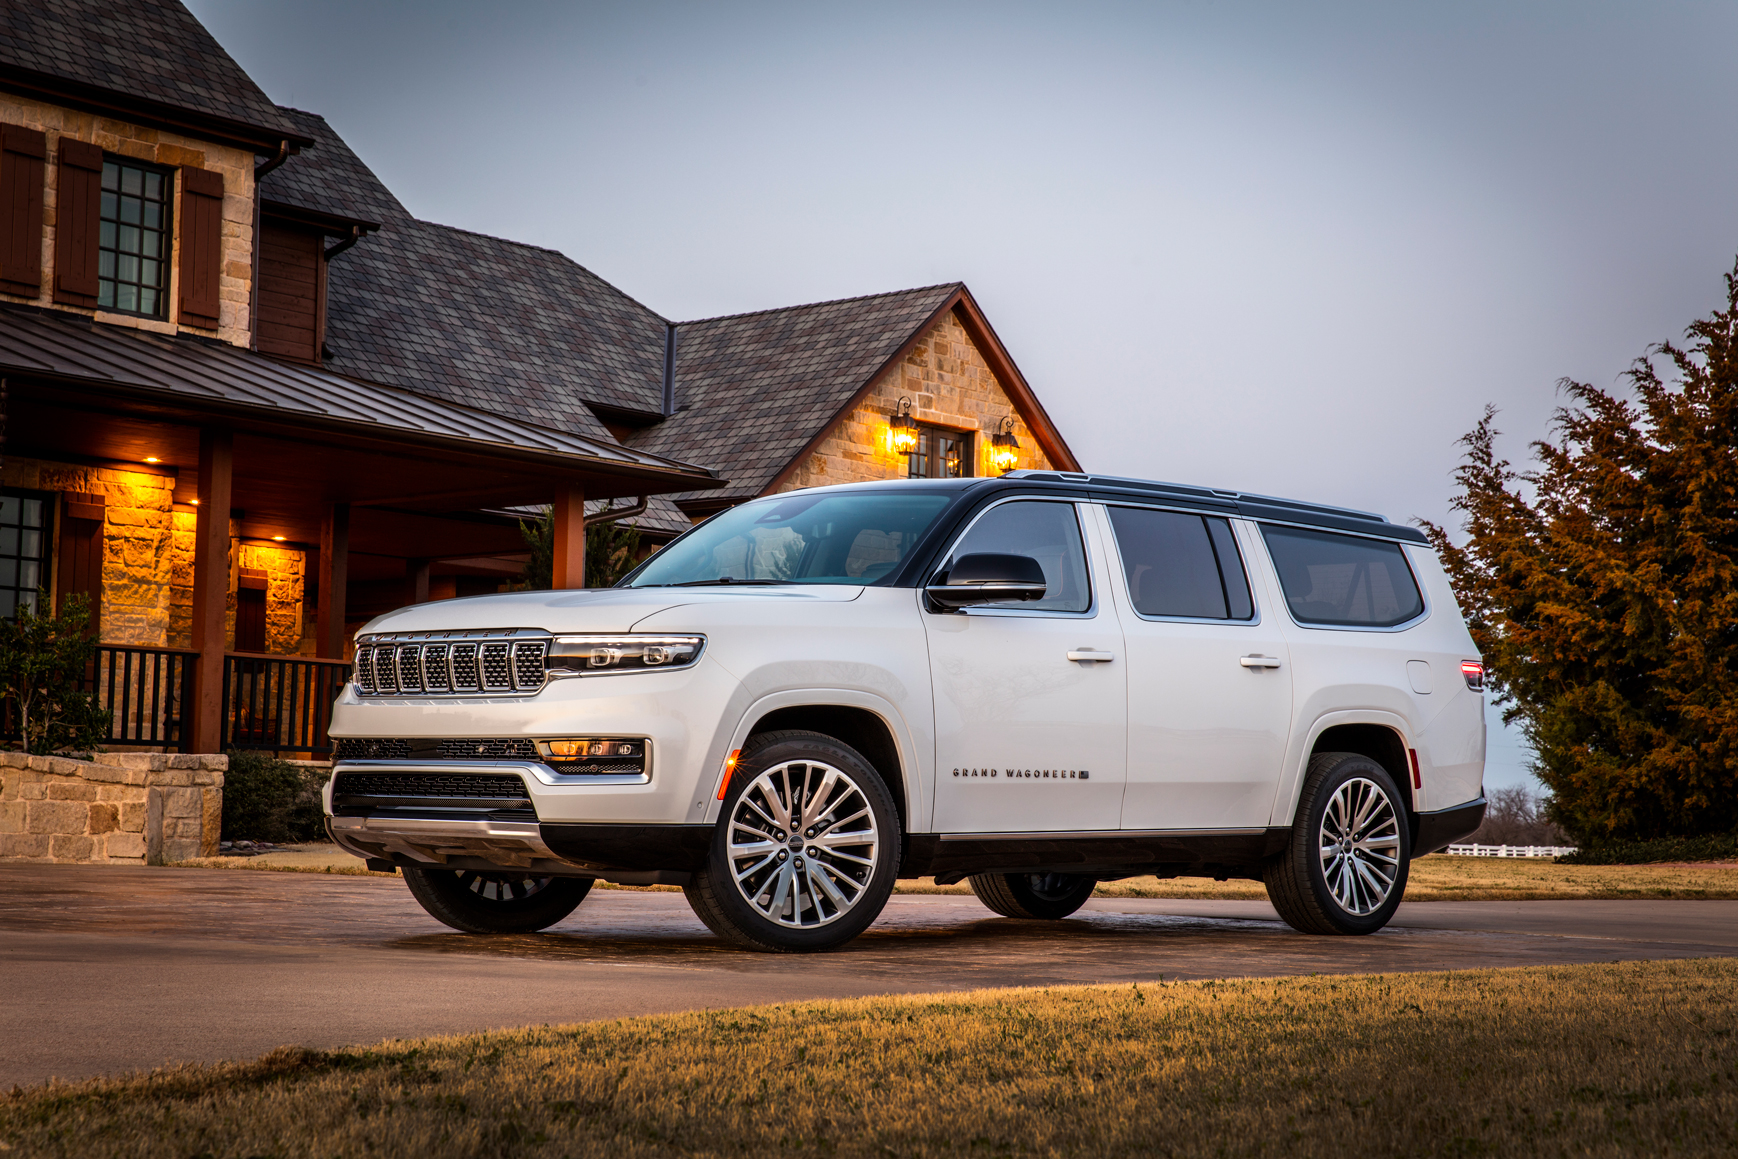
point(1604, 1060)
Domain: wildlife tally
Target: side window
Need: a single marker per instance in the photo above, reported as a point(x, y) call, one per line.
point(1049, 532)
point(1180, 564)
point(1342, 579)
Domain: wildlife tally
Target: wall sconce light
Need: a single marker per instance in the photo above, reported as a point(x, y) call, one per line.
point(902, 429)
point(1004, 447)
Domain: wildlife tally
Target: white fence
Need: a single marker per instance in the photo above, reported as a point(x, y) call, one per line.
point(1510, 850)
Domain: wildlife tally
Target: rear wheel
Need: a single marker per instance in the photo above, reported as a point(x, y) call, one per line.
point(1033, 895)
point(505, 902)
point(1344, 869)
point(804, 855)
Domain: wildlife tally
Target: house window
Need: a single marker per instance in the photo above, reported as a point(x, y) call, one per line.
point(941, 454)
point(133, 255)
point(23, 521)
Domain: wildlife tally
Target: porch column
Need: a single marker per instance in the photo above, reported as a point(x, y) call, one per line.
point(419, 569)
point(334, 575)
point(210, 588)
point(569, 527)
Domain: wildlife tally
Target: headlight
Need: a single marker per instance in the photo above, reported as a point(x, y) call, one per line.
point(596, 655)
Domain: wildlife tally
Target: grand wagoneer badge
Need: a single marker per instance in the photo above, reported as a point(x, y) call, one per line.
point(1027, 774)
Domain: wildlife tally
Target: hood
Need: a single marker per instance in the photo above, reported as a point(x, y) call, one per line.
point(583, 610)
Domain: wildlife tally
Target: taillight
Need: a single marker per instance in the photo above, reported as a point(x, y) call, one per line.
point(1474, 673)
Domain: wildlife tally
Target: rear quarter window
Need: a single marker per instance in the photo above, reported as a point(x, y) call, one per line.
point(1343, 580)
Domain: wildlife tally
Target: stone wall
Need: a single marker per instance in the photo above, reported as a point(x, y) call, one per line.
point(949, 385)
point(119, 809)
point(161, 147)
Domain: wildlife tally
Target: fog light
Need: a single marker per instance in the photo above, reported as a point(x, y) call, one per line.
point(594, 754)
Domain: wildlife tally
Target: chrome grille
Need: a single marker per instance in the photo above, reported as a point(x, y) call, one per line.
point(434, 667)
point(365, 669)
point(492, 659)
point(528, 663)
point(464, 667)
point(413, 664)
point(410, 668)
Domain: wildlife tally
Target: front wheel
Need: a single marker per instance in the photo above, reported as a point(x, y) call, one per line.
point(1344, 869)
point(804, 856)
point(509, 902)
point(1033, 895)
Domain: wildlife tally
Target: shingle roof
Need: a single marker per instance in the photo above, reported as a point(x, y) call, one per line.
point(72, 348)
point(329, 178)
point(150, 49)
point(760, 386)
point(496, 324)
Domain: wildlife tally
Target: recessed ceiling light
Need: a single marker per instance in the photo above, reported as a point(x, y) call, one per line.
point(279, 538)
point(152, 459)
point(195, 502)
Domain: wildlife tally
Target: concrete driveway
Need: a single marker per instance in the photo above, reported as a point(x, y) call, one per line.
point(110, 969)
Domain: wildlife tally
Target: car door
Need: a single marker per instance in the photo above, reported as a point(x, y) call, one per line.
point(1030, 698)
point(1209, 674)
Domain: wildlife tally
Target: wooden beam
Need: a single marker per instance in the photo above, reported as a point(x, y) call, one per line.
point(334, 576)
point(569, 535)
point(211, 587)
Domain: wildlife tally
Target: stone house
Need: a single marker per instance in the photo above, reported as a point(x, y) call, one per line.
point(251, 401)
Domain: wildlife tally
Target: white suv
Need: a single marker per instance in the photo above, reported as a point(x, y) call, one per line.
point(1032, 683)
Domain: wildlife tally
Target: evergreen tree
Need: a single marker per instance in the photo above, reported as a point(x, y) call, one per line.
point(1602, 588)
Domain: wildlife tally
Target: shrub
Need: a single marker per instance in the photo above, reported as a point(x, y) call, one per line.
point(43, 661)
point(1716, 848)
point(266, 799)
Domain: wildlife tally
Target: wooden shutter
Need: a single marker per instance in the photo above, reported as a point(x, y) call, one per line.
point(23, 157)
point(81, 552)
point(77, 222)
point(201, 245)
point(250, 610)
point(291, 293)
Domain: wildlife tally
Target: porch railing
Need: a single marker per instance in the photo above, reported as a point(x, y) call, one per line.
point(145, 691)
point(279, 703)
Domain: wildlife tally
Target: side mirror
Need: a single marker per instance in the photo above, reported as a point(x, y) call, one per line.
point(988, 578)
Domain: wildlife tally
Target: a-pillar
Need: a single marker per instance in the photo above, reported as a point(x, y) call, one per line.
point(210, 588)
point(334, 576)
point(568, 517)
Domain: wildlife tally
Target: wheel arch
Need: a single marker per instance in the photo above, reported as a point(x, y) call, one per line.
point(1377, 735)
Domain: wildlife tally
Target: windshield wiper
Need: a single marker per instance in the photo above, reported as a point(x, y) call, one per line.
point(722, 580)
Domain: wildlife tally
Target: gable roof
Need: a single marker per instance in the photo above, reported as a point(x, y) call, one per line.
point(149, 53)
point(495, 324)
point(329, 178)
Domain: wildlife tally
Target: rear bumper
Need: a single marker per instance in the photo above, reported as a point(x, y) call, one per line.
point(1437, 831)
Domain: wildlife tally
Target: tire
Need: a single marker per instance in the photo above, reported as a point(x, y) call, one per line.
point(509, 902)
point(762, 890)
point(1033, 895)
point(1325, 884)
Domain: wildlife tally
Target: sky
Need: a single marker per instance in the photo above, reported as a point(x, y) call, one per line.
point(1285, 248)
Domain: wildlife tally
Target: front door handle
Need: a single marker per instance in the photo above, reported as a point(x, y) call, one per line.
point(1091, 656)
point(1259, 661)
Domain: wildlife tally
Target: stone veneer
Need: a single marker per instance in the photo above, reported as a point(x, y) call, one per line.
point(119, 808)
point(949, 385)
point(161, 147)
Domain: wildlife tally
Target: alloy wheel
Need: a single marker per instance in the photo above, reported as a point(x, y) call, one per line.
point(803, 844)
point(502, 886)
point(1360, 846)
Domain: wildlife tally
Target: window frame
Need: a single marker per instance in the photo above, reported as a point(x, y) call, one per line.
point(165, 260)
point(1243, 557)
point(968, 453)
point(1015, 610)
point(45, 559)
point(1403, 626)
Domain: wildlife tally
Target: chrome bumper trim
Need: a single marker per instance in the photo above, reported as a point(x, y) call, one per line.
point(536, 770)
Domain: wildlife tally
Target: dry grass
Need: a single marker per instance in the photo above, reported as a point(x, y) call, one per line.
point(1604, 1060)
point(1444, 878)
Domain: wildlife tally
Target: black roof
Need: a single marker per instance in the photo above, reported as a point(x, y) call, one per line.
point(151, 50)
point(329, 178)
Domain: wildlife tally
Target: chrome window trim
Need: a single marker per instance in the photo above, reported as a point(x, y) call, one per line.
point(1109, 529)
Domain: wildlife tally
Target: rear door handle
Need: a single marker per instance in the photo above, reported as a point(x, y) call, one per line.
point(1259, 661)
point(1091, 655)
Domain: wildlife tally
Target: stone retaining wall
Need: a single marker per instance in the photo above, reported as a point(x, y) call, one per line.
point(120, 808)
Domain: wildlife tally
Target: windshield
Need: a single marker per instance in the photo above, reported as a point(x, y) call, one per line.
point(834, 538)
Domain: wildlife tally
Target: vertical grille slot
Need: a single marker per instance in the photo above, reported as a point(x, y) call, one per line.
point(465, 668)
point(365, 669)
point(386, 668)
point(492, 659)
point(528, 665)
point(434, 668)
point(410, 668)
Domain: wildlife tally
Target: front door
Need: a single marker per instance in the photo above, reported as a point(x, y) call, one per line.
point(1028, 739)
point(1209, 674)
